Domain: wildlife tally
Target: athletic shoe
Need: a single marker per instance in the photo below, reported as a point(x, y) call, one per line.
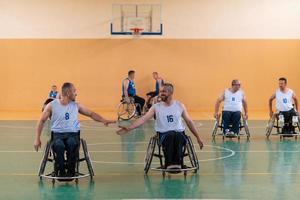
point(295, 120)
point(281, 120)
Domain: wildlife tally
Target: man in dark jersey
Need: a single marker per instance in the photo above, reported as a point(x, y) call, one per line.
point(128, 91)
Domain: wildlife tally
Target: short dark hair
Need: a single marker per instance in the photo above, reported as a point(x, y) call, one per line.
point(234, 81)
point(65, 87)
point(283, 79)
point(169, 87)
point(131, 72)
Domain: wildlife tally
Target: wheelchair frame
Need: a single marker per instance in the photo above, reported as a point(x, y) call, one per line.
point(188, 150)
point(273, 123)
point(48, 156)
point(219, 124)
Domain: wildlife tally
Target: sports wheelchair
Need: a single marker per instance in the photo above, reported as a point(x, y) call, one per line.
point(275, 122)
point(154, 149)
point(127, 110)
point(219, 125)
point(49, 156)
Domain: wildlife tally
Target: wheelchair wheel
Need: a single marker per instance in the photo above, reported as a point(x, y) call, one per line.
point(126, 110)
point(45, 159)
point(192, 154)
point(87, 158)
point(215, 129)
point(149, 154)
point(247, 131)
point(270, 126)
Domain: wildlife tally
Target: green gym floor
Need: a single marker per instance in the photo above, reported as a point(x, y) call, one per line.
point(229, 169)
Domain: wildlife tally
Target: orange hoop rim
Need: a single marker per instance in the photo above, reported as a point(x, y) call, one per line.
point(136, 31)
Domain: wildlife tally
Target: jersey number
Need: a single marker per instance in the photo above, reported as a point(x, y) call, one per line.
point(285, 100)
point(170, 118)
point(67, 116)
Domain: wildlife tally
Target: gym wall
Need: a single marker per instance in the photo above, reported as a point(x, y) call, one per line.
point(206, 43)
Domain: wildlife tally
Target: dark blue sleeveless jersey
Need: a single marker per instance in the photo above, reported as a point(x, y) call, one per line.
point(130, 90)
point(157, 86)
point(52, 94)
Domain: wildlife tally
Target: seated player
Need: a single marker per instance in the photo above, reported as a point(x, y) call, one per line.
point(150, 95)
point(53, 94)
point(169, 126)
point(234, 101)
point(128, 91)
point(65, 128)
point(285, 98)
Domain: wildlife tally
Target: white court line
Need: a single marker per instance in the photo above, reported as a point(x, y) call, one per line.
point(232, 153)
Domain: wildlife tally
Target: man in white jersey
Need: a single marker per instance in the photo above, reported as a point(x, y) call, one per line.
point(169, 126)
point(234, 102)
point(65, 128)
point(286, 104)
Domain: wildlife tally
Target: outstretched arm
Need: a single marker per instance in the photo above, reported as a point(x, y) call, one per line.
point(86, 112)
point(137, 123)
point(191, 126)
point(45, 115)
point(270, 104)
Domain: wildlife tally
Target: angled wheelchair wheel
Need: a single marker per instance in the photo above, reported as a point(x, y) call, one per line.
point(44, 159)
point(87, 158)
point(192, 154)
point(149, 153)
point(246, 127)
point(270, 126)
point(126, 110)
point(215, 128)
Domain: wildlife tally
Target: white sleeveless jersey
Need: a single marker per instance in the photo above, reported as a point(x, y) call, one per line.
point(168, 118)
point(284, 101)
point(64, 117)
point(233, 101)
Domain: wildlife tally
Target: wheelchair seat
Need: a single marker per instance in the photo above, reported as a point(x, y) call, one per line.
point(49, 156)
point(218, 125)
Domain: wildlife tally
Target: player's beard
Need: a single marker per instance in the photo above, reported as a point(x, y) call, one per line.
point(164, 98)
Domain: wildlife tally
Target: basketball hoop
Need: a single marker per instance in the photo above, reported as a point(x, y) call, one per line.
point(136, 32)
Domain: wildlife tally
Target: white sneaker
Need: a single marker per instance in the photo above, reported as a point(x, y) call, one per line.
point(227, 132)
point(281, 120)
point(295, 120)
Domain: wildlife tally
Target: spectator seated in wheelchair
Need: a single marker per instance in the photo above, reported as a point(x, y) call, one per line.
point(234, 101)
point(53, 94)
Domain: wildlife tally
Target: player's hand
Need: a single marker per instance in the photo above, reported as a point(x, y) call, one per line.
point(127, 99)
point(37, 144)
point(216, 115)
point(271, 114)
point(201, 145)
point(123, 130)
point(246, 116)
point(107, 122)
